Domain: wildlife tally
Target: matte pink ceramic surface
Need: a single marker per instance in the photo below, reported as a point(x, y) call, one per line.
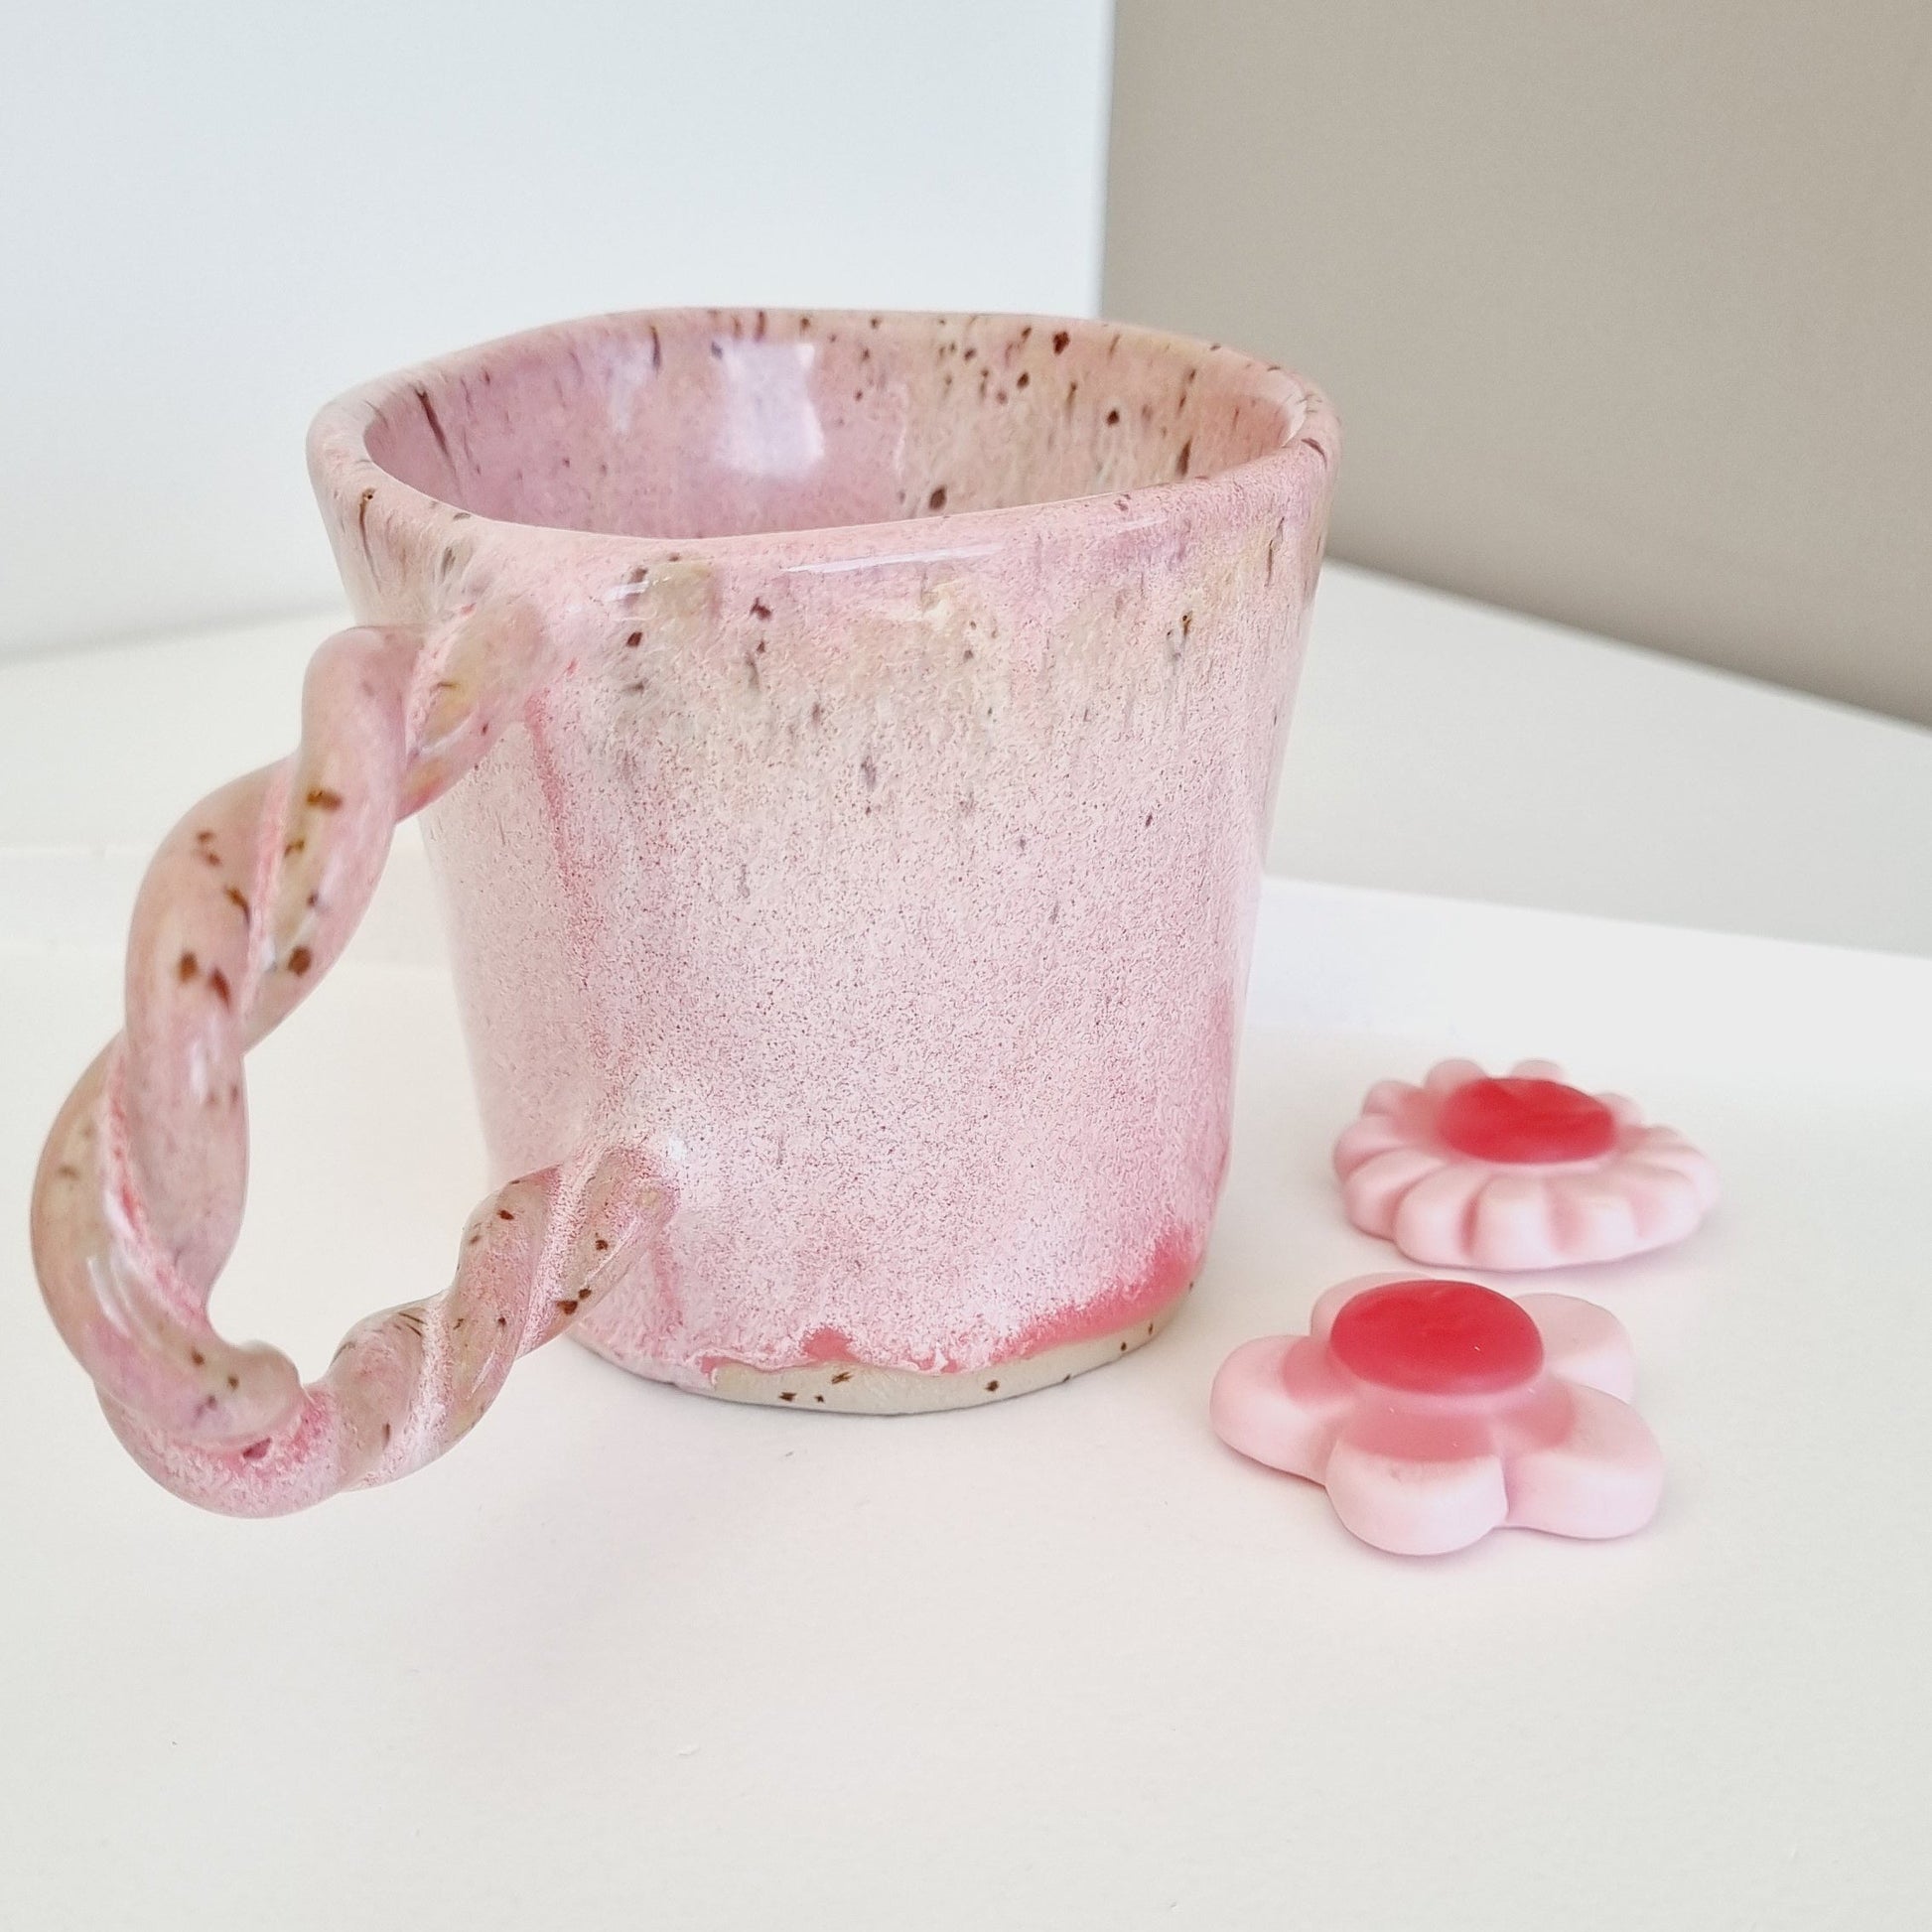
point(849, 741)
point(1520, 1172)
point(1437, 1411)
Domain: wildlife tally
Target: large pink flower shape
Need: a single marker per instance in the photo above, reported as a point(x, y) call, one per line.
point(1522, 1172)
point(1433, 1412)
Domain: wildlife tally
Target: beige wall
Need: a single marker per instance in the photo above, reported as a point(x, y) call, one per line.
point(1627, 308)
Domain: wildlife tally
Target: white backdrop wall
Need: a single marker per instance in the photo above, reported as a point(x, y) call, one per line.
point(214, 215)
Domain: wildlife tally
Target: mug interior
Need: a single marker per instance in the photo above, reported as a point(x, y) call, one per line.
point(709, 422)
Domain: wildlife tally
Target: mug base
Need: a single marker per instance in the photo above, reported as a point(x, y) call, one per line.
point(861, 1389)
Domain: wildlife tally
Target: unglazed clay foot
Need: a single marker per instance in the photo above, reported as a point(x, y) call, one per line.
point(1522, 1172)
point(1433, 1412)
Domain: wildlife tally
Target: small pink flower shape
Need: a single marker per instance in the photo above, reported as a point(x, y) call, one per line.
point(1522, 1172)
point(1433, 1412)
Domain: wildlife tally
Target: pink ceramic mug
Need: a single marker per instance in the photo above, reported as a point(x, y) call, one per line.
point(848, 743)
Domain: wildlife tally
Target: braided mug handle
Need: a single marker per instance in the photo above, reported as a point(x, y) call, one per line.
point(139, 1195)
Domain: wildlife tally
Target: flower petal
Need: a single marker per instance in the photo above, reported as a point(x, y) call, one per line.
point(1584, 1344)
point(1447, 1075)
point(1376, 1189)
point(1603, 1478)
point(1663, 1147)
point(1389, 1097)
point(1663, 1199)
point(1430, 1222)
point(1363, 1139)
point(1278, 1401)
point(1538, 1070)
point(1591, 1217)
point(1510, 1224)
point(1416, 1509)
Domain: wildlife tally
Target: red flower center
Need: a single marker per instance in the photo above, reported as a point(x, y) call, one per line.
point(1437, 1339)
point(1527, 1123)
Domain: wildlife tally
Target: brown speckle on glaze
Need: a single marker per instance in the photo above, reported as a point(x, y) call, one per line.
point(435, 424)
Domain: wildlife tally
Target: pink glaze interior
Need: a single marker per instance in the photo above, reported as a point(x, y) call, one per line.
point(711, 423)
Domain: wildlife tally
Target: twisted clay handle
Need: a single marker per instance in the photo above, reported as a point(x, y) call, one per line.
point(139, 1196)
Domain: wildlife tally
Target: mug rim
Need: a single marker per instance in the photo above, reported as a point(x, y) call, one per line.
point(1299, 467)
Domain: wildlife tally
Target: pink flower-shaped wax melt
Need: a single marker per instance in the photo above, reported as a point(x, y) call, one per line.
point(1433, 1412)
point(1522, 1172)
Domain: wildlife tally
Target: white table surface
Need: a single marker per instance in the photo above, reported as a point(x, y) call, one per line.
point(630, 1658)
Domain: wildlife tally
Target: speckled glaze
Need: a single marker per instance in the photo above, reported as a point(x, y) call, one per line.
point(846, 742)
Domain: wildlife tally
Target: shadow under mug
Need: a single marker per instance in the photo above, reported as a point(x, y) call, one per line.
point(847, 744)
